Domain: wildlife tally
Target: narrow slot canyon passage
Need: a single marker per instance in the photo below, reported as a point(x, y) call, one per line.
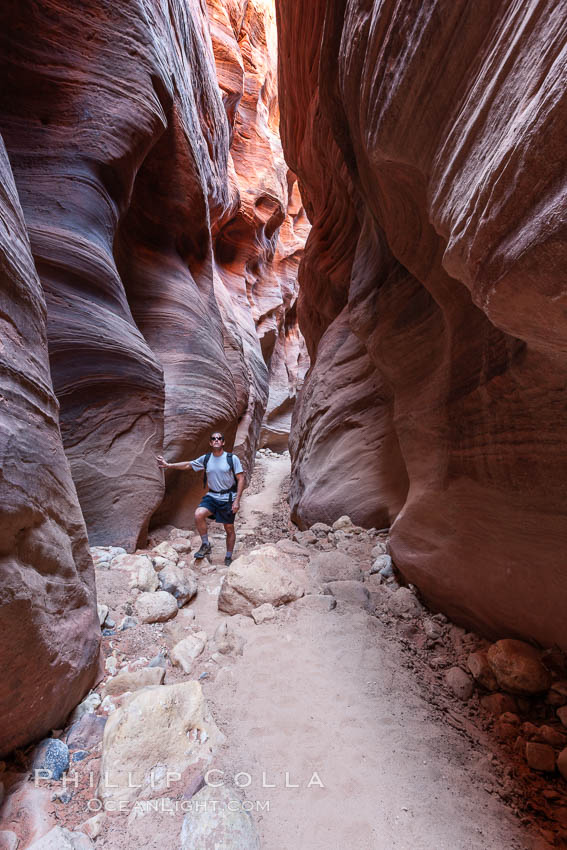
point(297, 270)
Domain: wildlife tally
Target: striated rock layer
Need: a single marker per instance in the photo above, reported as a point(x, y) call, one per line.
point(49, 629)
point(153, 193)
point(427, 141)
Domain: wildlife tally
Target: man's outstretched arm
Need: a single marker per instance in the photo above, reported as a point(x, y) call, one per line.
point(163, 464)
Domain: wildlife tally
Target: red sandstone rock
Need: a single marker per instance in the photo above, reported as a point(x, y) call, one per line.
point(427, 144)
point(155, 231)
point(48, 619)
point(518, 667)
point(540, 757)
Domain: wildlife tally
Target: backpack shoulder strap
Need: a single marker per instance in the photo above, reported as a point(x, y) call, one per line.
point(205, 462)
point(231, 465)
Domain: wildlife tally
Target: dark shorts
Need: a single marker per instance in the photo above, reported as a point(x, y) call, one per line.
point(220, 510)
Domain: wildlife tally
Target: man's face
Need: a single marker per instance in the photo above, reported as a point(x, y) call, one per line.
point(216, 441)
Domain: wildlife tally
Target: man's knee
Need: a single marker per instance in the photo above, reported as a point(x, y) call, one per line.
point(202, 513)
point(229, 527)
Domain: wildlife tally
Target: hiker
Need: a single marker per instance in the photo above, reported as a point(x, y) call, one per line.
point(223, 473)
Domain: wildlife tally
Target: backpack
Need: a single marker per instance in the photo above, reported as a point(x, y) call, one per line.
point(230, 461)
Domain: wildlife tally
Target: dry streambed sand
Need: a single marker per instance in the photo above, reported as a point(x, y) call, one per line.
point(336, 734)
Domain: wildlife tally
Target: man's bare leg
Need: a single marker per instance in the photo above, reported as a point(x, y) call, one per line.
point(201, 515)
point(230, 538)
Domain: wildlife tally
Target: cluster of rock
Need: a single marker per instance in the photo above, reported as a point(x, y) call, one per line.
point(510, 680)
point(267, 452)
point(147, 739)
point(160, 580)
point(517, 669)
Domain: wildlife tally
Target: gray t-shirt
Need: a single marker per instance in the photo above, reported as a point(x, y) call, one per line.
point(219, 476)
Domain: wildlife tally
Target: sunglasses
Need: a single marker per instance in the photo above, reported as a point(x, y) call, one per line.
point(216, 439)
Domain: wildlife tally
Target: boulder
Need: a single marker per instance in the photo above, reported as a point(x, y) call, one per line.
point(343, 522)
point(557, 694)
point(134, 680)
point(188, 650)
point(167, 551)
point(156, 607)
point(156, 742)
point(433, 630)
point(182, 584)
point(540, 757)
point(379, 550)
point(129, 563)
point(518, 667)
point(403, 603)
point(477, 662)
point(88, 706)
point(86, 733)
point(383, 564)
point(103, 555)
point(353, 592)
point(223, 826)
point(305, 538)
point(93, 826)
point(549, 735)
point(499, 703)
point(459, 682)
point(334, 566)
point(52, 756)
point(144, 577)
point(320, 529)
point(257, 578)
point(102, 611)
point(181, 545)
point(29, 806)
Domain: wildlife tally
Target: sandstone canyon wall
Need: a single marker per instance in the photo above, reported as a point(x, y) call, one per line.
point(48, 621)
point(146, 289)
point(428, 142)
point(144, 142)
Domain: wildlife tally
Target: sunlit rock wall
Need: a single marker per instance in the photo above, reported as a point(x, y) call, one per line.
point(153, 194)
point(427, 138)
point(49, 629)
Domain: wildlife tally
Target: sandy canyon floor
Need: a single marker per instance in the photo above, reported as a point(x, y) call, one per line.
point(339, 729)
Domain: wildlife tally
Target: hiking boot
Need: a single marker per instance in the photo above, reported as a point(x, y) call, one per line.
point(228, 560)
point(205, 549)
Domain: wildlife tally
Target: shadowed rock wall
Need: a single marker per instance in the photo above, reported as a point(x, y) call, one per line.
point(426, 138)
point(49, 629)
point(153, 194)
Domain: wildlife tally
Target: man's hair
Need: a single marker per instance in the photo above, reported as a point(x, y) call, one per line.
point(216, 432)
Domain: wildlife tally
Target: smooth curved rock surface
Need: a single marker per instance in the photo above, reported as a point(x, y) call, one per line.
point(426, 142)
point(48, 618)
point(144, 143)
